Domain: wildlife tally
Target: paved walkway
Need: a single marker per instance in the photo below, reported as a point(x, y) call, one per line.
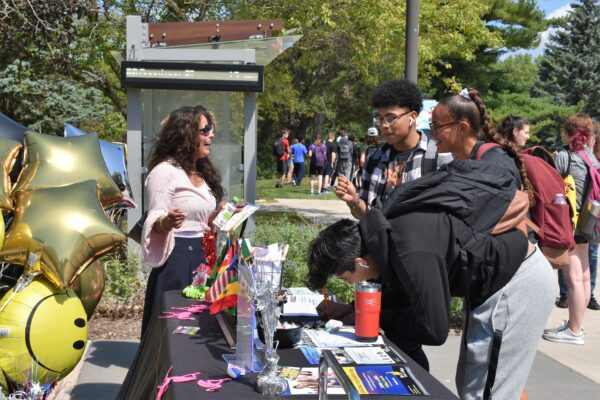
point(560, 371)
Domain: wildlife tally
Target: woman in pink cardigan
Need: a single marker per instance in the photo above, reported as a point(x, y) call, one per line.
point(183, 189)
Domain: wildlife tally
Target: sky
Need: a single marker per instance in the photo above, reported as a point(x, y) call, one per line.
point(552, 9)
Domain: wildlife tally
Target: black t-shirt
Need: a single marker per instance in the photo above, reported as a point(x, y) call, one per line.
point(331, 148)
point(423, 270)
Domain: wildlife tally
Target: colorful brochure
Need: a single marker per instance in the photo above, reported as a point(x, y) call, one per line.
point(384, 379)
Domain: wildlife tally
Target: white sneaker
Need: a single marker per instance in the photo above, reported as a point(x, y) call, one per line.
point(562, 326)
point(564, 336)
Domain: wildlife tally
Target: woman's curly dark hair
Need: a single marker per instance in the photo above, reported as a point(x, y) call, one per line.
point(474, 111)
point(178, 140)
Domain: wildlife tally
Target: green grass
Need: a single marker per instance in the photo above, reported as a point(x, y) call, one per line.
point(266, 191)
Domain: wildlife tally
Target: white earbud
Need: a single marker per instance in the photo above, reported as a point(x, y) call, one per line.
point(410, 122)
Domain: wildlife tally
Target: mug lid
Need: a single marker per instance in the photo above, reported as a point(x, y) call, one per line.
point(369, 287)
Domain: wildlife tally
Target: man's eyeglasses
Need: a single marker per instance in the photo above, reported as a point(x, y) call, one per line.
point(434, 127)
point(208, 128)
point(388, 119)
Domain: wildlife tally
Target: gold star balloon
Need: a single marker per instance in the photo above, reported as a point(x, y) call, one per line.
point(9, 150)
point(51, 161)
point(64, 226)
point(89, 286)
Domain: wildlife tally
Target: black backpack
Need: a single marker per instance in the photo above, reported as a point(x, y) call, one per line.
point(344, 149)
point(278, 149)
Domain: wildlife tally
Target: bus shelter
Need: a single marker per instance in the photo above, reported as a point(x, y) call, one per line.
point(219, 65)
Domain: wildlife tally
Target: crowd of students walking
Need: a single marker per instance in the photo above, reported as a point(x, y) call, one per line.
point(340, 154)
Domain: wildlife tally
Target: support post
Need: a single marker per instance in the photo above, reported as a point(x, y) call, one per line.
point(412, 40)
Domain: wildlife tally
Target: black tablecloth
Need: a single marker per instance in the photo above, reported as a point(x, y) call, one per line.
point(160, 349)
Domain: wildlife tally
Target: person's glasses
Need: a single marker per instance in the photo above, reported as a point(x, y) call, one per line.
point(436, 127)
point(208, 128)
point(388, 119)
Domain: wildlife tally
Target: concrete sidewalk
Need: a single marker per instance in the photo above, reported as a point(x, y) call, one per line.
point(560, 371)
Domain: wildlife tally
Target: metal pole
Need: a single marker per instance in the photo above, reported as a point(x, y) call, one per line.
point(412, 40)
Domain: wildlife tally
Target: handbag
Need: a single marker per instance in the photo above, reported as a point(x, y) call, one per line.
point(135, 233)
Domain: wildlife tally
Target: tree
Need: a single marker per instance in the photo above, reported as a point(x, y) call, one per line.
point(569, 70)
point(519, 23)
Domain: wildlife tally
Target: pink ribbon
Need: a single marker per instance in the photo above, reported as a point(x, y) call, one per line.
point(162, 388)
point(212, 385)
point(195, 309)
point(178, 315)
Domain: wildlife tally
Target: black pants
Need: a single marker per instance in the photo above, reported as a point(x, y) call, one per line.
point(175, 274)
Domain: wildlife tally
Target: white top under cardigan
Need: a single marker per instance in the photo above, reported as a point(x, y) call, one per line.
point(168, 187)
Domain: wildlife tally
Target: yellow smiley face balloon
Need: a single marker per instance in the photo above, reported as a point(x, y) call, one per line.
point(65, 226)
point(51, 161)
point(44, 332)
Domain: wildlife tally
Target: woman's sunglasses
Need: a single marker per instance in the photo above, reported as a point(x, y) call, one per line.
point(208, 128)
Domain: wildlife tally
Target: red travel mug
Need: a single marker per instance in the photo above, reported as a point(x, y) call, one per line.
point(366, 308)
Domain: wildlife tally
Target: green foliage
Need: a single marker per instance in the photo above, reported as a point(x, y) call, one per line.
point(517, 22)
point(122, 276)
point(456, 306)
point(570, 67)
point(45, 104)
point(297, 233)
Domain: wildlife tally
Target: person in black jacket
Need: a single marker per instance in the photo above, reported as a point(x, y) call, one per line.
point(418, 256)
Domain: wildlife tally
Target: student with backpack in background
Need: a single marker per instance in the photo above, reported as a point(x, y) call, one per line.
point(331, 161)
point(563, 300)
point(281, 150)
point(317, 153)
point(298, 151)
point(345, 149)
point(407, 155)
point(356, 152)
point(576, 160)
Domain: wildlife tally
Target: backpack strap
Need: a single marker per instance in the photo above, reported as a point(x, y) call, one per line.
point(430, 159)
point(497, 340)
point(483, 148)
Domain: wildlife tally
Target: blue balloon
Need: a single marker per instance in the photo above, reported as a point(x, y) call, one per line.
point(11, 129)
point(70, 131)
point(114, 155)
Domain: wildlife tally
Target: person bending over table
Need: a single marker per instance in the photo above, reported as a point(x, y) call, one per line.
point(417, 258)
point(183, 189)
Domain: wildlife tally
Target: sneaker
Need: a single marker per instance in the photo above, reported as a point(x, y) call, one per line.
point(593, 304)
point(562, 326)
point(565, 336)
point(562, 302)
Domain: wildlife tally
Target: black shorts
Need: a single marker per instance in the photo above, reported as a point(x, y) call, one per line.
point(282, 167)
point(315, 170)
point(328, 170)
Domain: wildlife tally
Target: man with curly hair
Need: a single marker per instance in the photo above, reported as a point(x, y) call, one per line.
point(406, 155)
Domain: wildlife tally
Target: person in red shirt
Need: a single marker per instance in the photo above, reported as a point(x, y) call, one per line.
point(282, 164)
